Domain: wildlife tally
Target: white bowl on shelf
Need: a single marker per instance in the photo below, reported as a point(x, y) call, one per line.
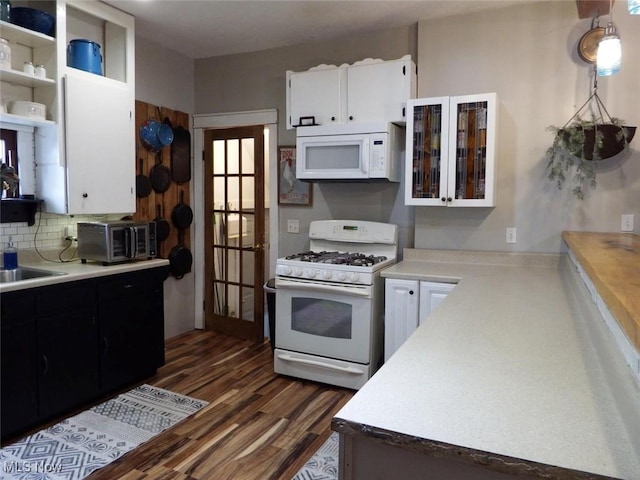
point(28, 109)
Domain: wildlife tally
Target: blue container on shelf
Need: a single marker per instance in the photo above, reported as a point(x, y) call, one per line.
point(84, 55)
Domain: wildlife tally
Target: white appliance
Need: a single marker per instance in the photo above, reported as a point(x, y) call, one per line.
point(350, 152)
point(330, 303)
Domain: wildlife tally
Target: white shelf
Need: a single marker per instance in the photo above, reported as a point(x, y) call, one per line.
point(21, 78)
point(20, 120)
point(24, 36)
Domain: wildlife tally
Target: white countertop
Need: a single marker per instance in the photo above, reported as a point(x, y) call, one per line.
point(514, 362)
point(74, 270)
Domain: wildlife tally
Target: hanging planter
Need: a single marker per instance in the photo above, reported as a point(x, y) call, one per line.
point(581, 143)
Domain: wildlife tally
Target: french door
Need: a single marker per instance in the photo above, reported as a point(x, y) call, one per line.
point(234, 231)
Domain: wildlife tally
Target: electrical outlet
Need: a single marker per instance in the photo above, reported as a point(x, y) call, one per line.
point(293, 226)
point(511, 235)
point(626, 224)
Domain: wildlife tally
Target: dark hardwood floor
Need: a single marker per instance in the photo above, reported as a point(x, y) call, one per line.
point(258, 425)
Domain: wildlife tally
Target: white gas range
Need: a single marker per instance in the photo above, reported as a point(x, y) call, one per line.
point(329, 303)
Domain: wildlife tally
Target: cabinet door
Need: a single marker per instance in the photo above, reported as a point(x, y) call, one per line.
point(131, 312)
point(68, 356)
point(18, 368)
point(431, 295)
point(400, 313)
point(427, 151)
point(100, 145)
point(315, 93)
point(472, 140)
point(378, 91)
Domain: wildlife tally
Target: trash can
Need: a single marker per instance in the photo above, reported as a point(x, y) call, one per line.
point(270, 291)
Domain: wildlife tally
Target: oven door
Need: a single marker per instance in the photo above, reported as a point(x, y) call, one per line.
point(329, 320)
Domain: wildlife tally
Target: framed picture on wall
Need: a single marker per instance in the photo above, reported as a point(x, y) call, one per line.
point(291, 191)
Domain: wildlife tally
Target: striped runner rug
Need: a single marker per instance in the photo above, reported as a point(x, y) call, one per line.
point(78, 446)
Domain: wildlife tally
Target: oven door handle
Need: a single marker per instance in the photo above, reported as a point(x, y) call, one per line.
point(316, 363)
point(324, 288)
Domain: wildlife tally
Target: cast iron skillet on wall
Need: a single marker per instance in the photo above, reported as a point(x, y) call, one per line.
point(143, 183)
point(182, 215)
point(180, 258)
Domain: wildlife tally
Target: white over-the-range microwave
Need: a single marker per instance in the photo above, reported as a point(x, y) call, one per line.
point(350, 152)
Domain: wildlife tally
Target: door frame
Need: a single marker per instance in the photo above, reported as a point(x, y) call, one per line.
point(202, 122)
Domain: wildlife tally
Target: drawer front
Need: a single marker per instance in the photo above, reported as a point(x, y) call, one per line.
point(65, 296)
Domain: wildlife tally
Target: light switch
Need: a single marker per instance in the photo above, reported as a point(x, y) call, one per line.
point(293, 226)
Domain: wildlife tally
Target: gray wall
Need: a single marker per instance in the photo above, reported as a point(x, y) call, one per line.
point(527, 54)
point(255, 81)
point(165, 78)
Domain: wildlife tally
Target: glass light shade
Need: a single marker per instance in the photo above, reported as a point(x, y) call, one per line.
point(634, 7)
point(609, 52)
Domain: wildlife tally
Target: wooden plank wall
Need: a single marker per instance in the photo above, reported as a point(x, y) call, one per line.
point(146, 207)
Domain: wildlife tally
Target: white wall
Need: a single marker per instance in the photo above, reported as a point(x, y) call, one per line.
point(165, 78)
point(527, 54)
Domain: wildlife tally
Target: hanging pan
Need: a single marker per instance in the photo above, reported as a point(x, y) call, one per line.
point(180, 258)
point(182, 215)
point(160, 176)
point(181, 155)
point(162, 226)
point(143, 183)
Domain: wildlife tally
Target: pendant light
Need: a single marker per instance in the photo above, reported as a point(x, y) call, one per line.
point(609, 49)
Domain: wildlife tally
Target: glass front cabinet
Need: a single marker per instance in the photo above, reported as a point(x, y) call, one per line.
point(450, 151)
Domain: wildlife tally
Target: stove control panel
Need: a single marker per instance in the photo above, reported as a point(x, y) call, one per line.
point(321, 274)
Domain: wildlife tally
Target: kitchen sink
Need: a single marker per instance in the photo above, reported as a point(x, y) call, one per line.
point(24, 273)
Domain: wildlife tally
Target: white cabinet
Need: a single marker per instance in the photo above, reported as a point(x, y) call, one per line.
point(450, 151)
point(407, 303)
point(28, 46)
point(85, 154)
point(315, 96)
point(371, 90)
point(400, 313)
point(431, 295)
point(99, 179)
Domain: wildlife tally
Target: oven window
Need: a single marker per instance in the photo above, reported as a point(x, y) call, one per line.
point(324, 318)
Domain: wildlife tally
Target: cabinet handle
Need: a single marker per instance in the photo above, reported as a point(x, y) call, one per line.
point(449, 199)
point(45, 365)
point(443, 199)
point(85, 195)
point(333, 119)
point(350, 117)
point(105, 342)
point(410, 292)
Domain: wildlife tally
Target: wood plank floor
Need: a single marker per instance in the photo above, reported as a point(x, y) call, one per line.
point(258, 425)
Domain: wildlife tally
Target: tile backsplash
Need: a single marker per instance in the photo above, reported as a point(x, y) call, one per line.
point(47, 232)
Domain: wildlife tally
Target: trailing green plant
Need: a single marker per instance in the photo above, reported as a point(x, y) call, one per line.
point(579, 145)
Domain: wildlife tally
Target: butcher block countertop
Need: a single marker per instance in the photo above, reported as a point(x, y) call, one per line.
point(612, 261)
point(515, 371)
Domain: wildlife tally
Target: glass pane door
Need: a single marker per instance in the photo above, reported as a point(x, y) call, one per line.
point(235, 231)
point(471, 150)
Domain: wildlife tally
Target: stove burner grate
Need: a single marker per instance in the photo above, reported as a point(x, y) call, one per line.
point(338, 258)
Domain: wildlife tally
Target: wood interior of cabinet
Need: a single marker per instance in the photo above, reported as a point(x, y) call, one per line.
point(146, 208)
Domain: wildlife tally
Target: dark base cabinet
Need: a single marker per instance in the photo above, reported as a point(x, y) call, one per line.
point(18, 370)
point(68, 344)
point(131, 337)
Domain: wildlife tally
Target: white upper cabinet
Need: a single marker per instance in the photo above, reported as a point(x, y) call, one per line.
point(450, 151)
point(315, 96)
point(85, 162)
point(368, 91)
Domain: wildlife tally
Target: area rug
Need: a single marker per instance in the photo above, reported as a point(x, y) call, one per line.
point(323, 465)
point(78, 446)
